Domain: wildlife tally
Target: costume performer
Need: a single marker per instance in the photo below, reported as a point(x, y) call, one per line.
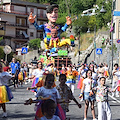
point(37, 75)
point(5, 92)
point(52, 15)
point(71, 78)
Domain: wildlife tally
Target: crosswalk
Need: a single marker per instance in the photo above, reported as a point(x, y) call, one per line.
point(114, 100)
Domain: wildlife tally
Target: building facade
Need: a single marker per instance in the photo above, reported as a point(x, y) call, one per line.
point(18, 29)
point(116, 20)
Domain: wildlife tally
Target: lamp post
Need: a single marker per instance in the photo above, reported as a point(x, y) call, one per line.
point(101, 11)
point(112, 44)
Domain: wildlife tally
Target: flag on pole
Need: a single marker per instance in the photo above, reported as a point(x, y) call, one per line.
point(112, 26)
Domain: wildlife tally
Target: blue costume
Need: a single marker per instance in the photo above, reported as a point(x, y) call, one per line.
point(47, 28)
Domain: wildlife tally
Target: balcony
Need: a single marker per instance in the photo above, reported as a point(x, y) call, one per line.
point(15, 12)
point(42, 17)
point(17, 25)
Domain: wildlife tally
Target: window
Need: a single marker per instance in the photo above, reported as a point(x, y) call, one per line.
point(41, 22)
point(23, 22)
point(18, 21)
point(12, 8)
point(114, 5)
point(31, 34)
point(41, 13)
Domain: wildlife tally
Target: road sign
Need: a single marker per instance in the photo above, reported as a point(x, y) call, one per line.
point(24, 50)
point(98, 51)
point(116, 13)
point(118, 41)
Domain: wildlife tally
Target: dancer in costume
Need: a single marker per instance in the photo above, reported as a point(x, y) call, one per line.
point(5, 92)
point(37, 75)
point(82, 74)
point(41, 82)
point(52, 15)
point(47, 92)
point(71, 78)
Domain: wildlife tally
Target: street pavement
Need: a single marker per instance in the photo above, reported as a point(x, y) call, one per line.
point(18, 111)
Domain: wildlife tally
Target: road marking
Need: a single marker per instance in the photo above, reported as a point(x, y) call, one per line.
point(113, 101)
point(113, 98)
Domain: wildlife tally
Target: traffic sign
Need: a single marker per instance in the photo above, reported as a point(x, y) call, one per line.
point(24, 50)
point(118, 41)
point(98, 51)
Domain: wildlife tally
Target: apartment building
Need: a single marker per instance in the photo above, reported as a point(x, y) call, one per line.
point(116, 19)
point(18, 29)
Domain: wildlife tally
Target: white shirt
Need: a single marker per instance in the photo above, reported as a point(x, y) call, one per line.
point(38, 73)
point(87, 84)
point(53, 118)
point(51, 69)
point(44, 92)
point(117, 74)
point(4, 77)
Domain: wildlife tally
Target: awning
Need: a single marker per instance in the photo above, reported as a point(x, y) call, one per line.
point(25, 34)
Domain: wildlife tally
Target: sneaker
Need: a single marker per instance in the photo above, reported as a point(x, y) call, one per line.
point(85, 118)
point(117, 95)
point(25, 83)
point(4, 115)
point(95, 119)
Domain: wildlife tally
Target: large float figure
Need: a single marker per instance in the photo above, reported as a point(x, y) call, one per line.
point(52, 15)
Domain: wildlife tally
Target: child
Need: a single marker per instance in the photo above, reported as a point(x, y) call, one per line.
point(48, 110)
point(88, 96)
point(104, 111)
point(41, 82)
point(5, 92)
point(66, 93)
point(46, 92)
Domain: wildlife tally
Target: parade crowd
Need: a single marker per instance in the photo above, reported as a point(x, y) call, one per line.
point(52, 102)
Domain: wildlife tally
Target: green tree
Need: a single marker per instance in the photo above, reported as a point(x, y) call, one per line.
point(35, 43)
point(1, 52)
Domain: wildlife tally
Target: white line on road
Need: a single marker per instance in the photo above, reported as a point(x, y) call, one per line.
point(114, 98)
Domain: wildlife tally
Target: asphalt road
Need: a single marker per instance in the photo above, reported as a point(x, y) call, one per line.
point(18, 111)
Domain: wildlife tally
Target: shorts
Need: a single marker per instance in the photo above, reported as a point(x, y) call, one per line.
point(87, 97)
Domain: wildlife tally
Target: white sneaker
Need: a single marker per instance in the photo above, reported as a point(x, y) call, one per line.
point(85, 118)
point(25, 83)
point(4, 115)
point(117, 95)
point(95, 119)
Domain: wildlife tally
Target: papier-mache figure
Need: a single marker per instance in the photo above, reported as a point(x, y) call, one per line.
point(52, 15)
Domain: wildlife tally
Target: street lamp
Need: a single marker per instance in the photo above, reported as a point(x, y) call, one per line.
point(101, 11)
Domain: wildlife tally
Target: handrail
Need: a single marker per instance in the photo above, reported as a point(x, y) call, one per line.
point(15, 12)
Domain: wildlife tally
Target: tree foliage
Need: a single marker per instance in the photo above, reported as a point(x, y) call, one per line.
point(35, 43)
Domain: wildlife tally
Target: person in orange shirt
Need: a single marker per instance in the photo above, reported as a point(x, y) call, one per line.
point(71, 78)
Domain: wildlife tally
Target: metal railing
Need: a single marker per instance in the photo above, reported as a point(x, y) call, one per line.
point(15, 12)
point(17, 25)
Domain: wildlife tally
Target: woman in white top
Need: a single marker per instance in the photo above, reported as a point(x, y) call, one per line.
point(37, 75)
point(88, 96)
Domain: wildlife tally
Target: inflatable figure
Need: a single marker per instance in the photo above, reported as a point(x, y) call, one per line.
point(52, 15)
